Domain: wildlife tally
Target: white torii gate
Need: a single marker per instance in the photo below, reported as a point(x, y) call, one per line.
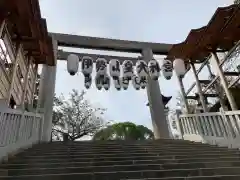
point(47, 87)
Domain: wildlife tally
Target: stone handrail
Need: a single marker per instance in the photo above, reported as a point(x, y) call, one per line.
point(18, 130)
point(221, 128)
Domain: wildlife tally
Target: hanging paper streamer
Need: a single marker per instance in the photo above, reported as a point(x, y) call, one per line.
point(106, 82)
point(72, 64)
point(87, 65)
point(143, 82)
point(125, 83)
point(98, 81)
point(141, 68)
point(117, 84)
point(167, 68)
point(154, 69)
point(127, 69)
point(101, 67)
point(179, 67)
point(88, 81)
point(114, 68)
point(136, 82)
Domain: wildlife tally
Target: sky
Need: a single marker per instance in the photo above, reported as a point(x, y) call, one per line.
point(162, 21)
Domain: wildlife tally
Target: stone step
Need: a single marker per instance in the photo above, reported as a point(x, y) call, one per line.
point(143, 174)
point(117, 145)
point(56, 150)
point(129, 147)
point(121, 145)
point(115, 160)
point(133, 154)
point(215, 177)
point(210, 164)
point(109, 148)
point(116, 151)
point(175, 141)
point(121, 142)
point(127, 154)
point(106, 158)
point(170, 162)
point(120, 152)
point(74, 167)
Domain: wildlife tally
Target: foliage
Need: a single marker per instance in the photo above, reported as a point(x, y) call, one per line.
point(237, 2)
point(124, 131)
point(75, 117)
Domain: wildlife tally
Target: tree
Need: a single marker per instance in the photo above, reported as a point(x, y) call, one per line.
point(75, 117)
point(124, 131)
point(237, 2)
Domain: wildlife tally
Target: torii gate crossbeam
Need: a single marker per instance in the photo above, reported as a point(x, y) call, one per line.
point(87, 42)
point(62, 55)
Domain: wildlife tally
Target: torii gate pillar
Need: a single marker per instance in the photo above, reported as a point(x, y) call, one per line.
point(46, 96)
point(159, 120)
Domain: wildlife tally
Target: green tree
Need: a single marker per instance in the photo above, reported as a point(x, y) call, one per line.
point(75, 117)
point(237, 2)
point(124, 131)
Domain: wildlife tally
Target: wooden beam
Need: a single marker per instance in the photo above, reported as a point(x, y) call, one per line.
point(24, 39)
point(192, 97)
point(191, 88)
point(205, 95)
point(211, 95)
point(231, 73)
point(198, 71)
point(210, 84)
point(205, 81)
point(234, 82)
point(2, 24)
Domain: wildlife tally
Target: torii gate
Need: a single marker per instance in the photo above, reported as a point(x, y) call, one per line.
point(22, 29)
point(159, 122)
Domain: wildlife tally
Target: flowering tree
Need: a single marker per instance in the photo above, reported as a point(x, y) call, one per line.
point(75, 117)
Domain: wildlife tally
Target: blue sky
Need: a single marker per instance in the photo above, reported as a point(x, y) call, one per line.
point(163, 21)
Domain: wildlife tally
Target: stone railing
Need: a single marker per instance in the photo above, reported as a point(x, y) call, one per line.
point(222, 128)
point(18, 130)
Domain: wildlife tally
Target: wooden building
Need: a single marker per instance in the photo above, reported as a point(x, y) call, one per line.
point(24, 44)
point(220, 35)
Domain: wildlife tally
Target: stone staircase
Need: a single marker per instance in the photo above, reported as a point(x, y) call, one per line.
point(115, 160)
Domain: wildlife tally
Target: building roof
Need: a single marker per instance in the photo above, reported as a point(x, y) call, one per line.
point(25, 25)
point(220, 34)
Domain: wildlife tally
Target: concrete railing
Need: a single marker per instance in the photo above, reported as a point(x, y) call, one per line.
point(18, 130)
point(222, 128)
